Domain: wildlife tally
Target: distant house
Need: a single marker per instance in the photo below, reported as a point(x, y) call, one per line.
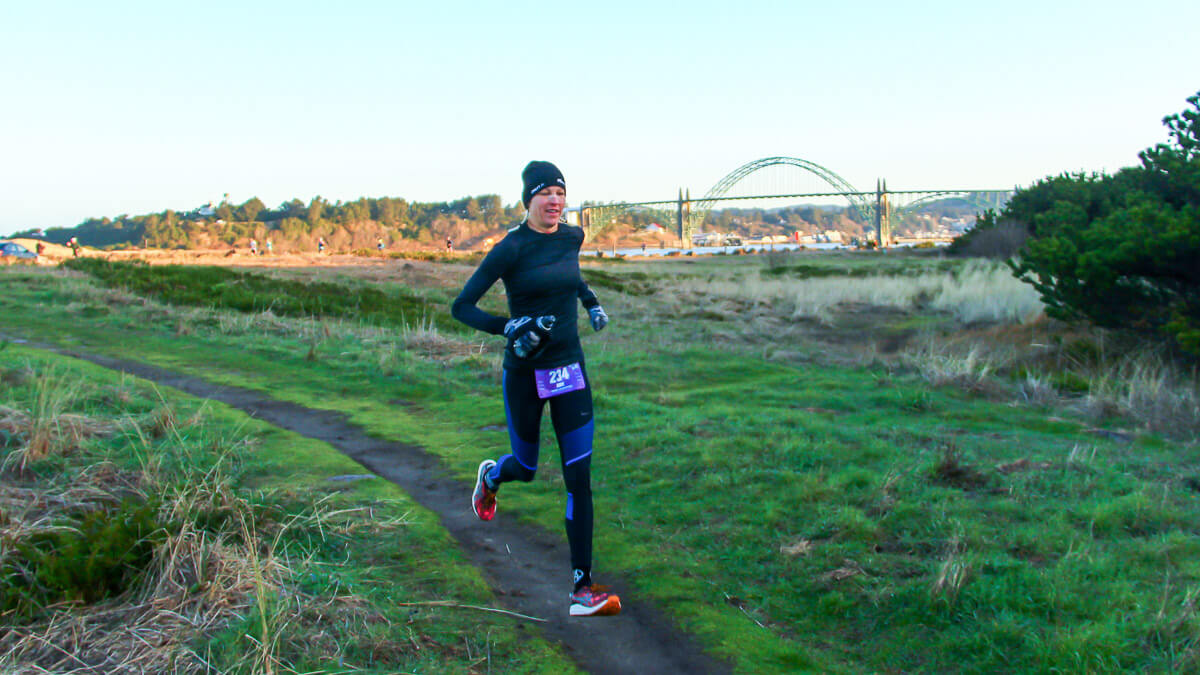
point(653, 227)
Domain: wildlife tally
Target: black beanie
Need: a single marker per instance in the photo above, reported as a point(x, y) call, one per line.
point(536, 176)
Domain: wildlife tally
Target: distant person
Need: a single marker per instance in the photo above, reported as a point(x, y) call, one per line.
point(73, 242)
point(379, 244)
point(41, 248)
point(449, 245)
point(643, 248)
point(253, 247)
point(543, 362)
point(270, 248)
point(320, 244)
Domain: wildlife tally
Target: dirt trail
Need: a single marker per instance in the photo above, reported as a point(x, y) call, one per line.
point(525, 565)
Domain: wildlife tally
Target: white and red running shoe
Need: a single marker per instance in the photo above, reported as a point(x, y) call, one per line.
point(483, 500)
point(594, 600)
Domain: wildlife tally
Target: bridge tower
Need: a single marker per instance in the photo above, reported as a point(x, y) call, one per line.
point(687, 217)
point(883, 214)
point(679, 215)
point(683, 217)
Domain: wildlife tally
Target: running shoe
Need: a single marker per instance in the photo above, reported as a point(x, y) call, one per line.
point(594, 600)
point(483, 500)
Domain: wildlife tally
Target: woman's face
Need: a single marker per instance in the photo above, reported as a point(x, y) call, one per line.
point(546, 208)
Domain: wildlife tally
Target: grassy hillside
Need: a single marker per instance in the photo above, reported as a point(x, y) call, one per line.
point(854, 463)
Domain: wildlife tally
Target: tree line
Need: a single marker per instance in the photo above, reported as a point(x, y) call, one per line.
point(294, 223)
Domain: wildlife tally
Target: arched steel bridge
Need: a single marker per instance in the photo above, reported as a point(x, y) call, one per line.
point(878, 208)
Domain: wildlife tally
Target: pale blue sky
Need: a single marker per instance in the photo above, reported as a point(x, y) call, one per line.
point(132, 107)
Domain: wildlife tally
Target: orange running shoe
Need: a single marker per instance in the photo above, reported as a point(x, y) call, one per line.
point(594, 600)
point(483, 499)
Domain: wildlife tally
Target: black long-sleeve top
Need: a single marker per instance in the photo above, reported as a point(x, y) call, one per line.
point(541, 276)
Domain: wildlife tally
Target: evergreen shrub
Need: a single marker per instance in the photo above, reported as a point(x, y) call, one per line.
point(98, 554)
point(1119, 250)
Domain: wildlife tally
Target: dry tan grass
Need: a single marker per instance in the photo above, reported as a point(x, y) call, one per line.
point(25, 511)
point(1149, 388)
point(1037, 390)
point(199, 580)
point(1140, 383)
point(953, 574)
point(985, 292)
point(428, 342)
point(981, 291)
point(943, 364)
point(46, 428)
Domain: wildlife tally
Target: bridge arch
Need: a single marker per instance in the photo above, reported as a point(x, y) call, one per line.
point(979, 200)
point(702, 207)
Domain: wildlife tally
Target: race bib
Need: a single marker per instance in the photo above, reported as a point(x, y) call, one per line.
point(560, 380)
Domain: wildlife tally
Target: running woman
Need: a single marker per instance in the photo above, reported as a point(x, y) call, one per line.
point(543, 361)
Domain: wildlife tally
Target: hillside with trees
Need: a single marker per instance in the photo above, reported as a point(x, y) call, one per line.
point(295, 225)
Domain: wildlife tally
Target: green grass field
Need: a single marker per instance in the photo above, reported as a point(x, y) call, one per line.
point(247, 558)
point(790, 494)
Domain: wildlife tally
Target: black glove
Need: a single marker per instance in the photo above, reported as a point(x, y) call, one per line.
point(599, 317)
point(528, 337)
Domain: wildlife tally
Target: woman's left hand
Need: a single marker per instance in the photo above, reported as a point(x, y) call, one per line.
point(599, 317)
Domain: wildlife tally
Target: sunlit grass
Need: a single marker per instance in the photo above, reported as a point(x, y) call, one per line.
point(242, 559)
point(980, 291)
point(812, 514)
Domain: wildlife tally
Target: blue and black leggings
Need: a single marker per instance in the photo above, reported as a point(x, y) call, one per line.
point(571, 414)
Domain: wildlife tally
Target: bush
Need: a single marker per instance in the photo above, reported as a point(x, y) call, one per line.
point(224, 288)
point(990, 239)
point(1117, 250)
point(1134, 268)
point(101, 555)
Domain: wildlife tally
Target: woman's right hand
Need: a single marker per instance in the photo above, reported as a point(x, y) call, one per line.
point(527, 336)
point(510, 328)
